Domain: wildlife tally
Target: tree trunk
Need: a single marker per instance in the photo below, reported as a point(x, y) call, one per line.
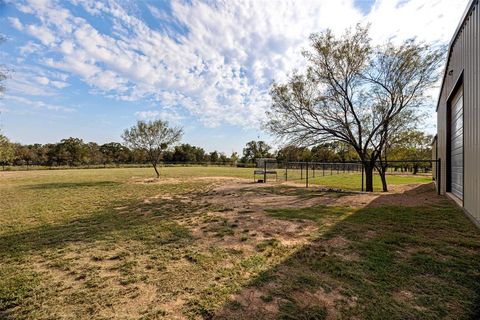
point(368, 177)
point(415, 169)
point(156, 171)
point(382, 169)
point(382, 173)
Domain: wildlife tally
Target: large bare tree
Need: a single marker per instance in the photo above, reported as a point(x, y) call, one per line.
point(354, 92)
point(152, 136)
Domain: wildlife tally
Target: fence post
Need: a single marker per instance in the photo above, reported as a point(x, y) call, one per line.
point(265, 171)
point(306, 172)
point(323, 168)
point(362, 178)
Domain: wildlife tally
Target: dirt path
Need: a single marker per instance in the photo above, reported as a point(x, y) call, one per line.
point(240, 193)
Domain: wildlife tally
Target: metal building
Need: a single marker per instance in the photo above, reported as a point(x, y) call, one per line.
point(458, 116)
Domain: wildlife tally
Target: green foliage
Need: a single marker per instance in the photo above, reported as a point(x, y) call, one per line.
point(113, 152)
point(153, 137)
point(254, 150)
point(412, 145)
point(6, 151)
point(234, 157)
point(186, 153)
point(75, 152)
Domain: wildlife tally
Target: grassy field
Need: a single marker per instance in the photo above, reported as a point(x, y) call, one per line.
point(101, 244)
point(350, 181)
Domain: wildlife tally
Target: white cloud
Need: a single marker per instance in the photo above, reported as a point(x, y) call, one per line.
point(170, 116)
point(42, 33)
point(425, 20)
point(220, 70)
point(30, 47)
point(16, 23)
point(42, 80)
point(23, 84)
point(37, 104)
point(157, 13)
point(28, 80)
point(59, 84)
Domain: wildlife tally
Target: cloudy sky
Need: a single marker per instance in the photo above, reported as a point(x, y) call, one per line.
point(89, 69)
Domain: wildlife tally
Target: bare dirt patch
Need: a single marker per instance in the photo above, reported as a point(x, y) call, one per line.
point(243, 203)
point(241, 193)
point(329, 300)
point(155, 180)
point(410, 195)
point(408, 298)
point(256, 301)
point(338, 242)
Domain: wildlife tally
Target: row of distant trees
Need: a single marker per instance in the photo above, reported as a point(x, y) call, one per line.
point(76, 152)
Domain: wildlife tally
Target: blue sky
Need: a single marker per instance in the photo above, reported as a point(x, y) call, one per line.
point(89, 69)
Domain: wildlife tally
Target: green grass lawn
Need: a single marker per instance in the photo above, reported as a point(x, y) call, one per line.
point(389, 263)
point(353, 181)
point(101, 243)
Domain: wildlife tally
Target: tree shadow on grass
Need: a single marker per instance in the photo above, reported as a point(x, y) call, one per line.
point(383, 261)
point(72, 185)
point(149, 222)
point(153, 225)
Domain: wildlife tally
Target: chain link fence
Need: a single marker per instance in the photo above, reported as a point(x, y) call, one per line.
point(344, 175)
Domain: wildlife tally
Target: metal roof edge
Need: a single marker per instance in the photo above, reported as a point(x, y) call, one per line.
point(467, 11)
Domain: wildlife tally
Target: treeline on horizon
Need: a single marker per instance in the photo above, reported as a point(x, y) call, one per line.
point(74, 152)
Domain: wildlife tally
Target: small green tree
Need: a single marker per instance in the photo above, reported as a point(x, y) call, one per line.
point(7, 153)
point(234, 158)
point(294, 153)
point(411, 145)
point(214, 157)
point(152, 136)
point(23, 154)
point(254, 150)
point(72, 151)
point(114, 152)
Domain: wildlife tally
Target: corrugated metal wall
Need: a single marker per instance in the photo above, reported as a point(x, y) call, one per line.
point(465, 57)
point(434, 157)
